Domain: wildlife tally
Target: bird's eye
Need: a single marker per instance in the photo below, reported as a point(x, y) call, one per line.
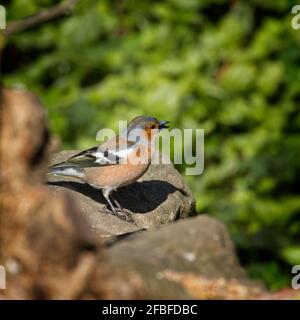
point(152, 126)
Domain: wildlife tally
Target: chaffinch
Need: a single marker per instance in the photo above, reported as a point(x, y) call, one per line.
point(117, 162)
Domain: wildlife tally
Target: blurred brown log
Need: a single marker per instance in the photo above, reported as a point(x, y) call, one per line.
point(46, 244)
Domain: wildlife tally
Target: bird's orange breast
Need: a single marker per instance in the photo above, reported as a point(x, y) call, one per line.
point(115, 176)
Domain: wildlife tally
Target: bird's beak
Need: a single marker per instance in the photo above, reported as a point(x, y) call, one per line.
point(163, 124)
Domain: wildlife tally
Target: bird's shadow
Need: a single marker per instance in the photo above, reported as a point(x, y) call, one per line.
point(139, 197)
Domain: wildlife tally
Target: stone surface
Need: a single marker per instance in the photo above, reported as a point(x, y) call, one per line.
point(159, 197)
point(192, 258)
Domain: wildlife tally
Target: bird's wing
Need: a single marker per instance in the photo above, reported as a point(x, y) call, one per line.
point(103, 155)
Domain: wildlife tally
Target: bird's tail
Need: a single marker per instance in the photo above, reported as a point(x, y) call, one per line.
point(67, 169)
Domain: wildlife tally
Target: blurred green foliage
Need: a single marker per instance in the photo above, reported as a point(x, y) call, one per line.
point(230, 67)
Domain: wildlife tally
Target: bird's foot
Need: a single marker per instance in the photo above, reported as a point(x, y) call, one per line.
point(125, 215)
point(106, 209)
point(121, 214)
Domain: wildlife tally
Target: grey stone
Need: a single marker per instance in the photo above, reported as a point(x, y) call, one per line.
point(161, 196)
point(199, 246)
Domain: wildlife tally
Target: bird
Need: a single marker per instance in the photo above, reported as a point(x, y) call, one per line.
point(117, 162)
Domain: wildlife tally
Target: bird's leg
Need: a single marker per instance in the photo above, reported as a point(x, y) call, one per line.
point(118, 212)
point(117, 203)
point(106, 194)
point(127, 215)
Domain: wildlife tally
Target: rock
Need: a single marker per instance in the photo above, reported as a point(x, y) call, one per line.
point(159, 197)
point(193, 258)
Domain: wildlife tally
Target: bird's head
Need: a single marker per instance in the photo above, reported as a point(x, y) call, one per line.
point(148, 127)
point(147, 123)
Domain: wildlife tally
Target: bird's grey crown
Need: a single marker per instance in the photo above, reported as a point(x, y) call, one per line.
point(140, 122)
